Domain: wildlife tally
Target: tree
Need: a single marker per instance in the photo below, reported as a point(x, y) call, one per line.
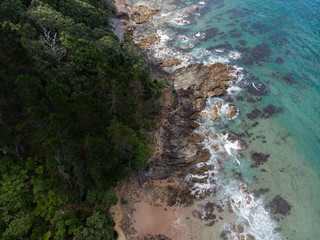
point(97, 227)
point(50, 44)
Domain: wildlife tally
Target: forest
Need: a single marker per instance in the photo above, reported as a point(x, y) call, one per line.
point(74, 102)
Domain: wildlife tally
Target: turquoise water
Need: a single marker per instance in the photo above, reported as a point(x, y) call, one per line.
point(277, 43)
point(291, 31)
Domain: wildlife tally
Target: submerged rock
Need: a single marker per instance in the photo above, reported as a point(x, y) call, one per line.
point(271, 110)
point(279, 60)
point(261, 52)
point(260, 27)
point(279, 205)
point(255, 113)
point(289, 78)
point(243, 42)
point(258, 159)
point(258, 89)
point(226, 46)
point(211, 33)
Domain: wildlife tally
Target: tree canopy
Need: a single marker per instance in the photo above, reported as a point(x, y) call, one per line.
point(73, 102)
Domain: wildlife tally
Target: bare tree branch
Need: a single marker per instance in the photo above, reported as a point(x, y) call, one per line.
point(50, 45)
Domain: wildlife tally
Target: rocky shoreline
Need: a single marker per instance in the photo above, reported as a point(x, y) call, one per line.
point(164, 189)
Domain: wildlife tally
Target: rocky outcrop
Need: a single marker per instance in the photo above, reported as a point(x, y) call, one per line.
point(171, 62)
point(148, 41)
point(129, 31)
point(180, 147)
point(210, 81)
point(141, 14)
point(233, 111)
point(215, 111)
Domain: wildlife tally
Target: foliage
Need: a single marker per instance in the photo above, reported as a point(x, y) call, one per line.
point(73, 102)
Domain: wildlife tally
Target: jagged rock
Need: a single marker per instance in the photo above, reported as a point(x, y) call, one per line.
point(215, 111)
point(202, 169)
point(129, 32)
point(215, 147)
point(232, 112)
point(142, 14)
point(180, 147)
point(148, 41)
point(171, 62)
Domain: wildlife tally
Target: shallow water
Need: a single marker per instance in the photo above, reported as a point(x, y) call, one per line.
point(276, 43)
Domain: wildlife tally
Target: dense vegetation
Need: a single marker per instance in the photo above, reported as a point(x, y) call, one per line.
point(73, 101)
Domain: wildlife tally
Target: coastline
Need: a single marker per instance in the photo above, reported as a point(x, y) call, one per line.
point(185, 166)
point(161, 208)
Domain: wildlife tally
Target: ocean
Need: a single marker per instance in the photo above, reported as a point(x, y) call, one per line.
point(276, 46)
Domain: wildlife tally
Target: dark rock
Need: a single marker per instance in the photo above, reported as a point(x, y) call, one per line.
point(258, 159)
point(260, 191)
point(226, 46)
point(247, 60)
point(123, 15)
point(261, 52)
point(255, 113)
point(244, 24)
point(251, 100)
point(243, 42)
point(260, 27)
point(238, 175)
point(234, 33)
point(169, 187)
point(240, 98)
point(258, 89)
point(211, 32)
point(271, 110)
point(243, 50)
point(289, 78)
point(255, 124)
point(279, 205)
point(156, 237)
point(172, 197)
point(279, 60)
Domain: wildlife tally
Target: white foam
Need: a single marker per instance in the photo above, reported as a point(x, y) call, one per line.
point(234, 55)
point(220, 50)
point(251, 212)
point(233, 90)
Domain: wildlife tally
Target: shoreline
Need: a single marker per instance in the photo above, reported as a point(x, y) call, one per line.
point(154, 201)
point(182, 162)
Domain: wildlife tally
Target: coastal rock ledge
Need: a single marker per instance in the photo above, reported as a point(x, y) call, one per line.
point(180, 148)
